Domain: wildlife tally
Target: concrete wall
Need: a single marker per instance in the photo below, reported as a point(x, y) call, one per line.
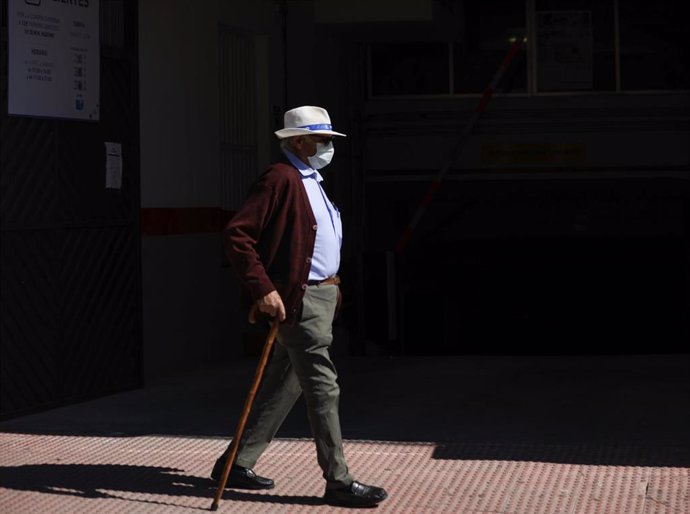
point(190, 299)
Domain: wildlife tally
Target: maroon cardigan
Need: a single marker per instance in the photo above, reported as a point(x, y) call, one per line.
point(270, 240)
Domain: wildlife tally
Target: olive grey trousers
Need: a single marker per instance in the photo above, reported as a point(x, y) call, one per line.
point(301, 364)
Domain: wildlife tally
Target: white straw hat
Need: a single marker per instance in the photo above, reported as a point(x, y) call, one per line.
point(307, 120)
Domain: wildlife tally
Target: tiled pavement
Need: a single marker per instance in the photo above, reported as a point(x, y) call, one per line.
point(604, 435)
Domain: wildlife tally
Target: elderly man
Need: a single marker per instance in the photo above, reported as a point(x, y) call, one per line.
point(284, 243)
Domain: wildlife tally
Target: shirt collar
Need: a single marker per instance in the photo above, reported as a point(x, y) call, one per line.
point(305, 170)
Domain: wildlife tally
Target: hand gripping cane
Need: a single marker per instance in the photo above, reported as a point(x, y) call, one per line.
point(268, 345)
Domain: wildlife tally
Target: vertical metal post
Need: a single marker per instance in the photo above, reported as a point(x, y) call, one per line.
point(284, 13)
point(392, 295)
point(531, 48)
point(617, 45)
point(451, 68)
point(358, 57)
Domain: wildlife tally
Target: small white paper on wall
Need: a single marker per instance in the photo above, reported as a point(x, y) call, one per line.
point(113, 165)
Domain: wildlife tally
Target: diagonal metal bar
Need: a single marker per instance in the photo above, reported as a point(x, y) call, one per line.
point(435, 184)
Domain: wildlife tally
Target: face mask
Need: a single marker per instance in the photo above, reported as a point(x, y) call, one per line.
point(322, 157)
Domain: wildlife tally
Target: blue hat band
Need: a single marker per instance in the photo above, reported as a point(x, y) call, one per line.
point(322, 126)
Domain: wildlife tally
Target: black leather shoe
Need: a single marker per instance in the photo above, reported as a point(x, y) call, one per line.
point(241, 478)
point(357, 495)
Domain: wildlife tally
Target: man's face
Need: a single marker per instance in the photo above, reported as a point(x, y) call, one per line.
point(308, 143)
point(305, 146)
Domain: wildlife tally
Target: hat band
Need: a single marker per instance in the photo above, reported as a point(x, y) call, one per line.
point(322, 126)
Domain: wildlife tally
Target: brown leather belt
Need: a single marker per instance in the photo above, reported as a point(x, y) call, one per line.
point(334, 280)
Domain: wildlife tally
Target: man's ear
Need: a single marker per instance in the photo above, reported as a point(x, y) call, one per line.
point(300, 142)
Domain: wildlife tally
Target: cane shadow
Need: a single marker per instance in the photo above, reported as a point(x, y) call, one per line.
point(106, 480)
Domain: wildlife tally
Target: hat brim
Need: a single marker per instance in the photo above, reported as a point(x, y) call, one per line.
point(291, 132)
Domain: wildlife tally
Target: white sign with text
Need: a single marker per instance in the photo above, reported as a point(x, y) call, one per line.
point(54, 58)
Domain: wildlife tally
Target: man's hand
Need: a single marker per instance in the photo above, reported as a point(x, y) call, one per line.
point(272, 305)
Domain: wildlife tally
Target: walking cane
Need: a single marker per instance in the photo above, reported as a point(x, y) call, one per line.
point(247, 406)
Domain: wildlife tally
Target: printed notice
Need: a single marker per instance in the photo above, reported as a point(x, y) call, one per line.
point(54, 59)
point(564, 46)
point(113, 165)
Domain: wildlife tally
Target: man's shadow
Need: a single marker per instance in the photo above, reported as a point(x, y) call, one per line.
point(105, 480)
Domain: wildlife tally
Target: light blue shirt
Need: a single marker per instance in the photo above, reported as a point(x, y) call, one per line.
point(329, 233)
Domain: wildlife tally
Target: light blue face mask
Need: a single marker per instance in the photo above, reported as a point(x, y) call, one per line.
point(322, 157)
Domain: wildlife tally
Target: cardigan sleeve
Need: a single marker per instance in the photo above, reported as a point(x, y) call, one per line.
point(243, 232)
